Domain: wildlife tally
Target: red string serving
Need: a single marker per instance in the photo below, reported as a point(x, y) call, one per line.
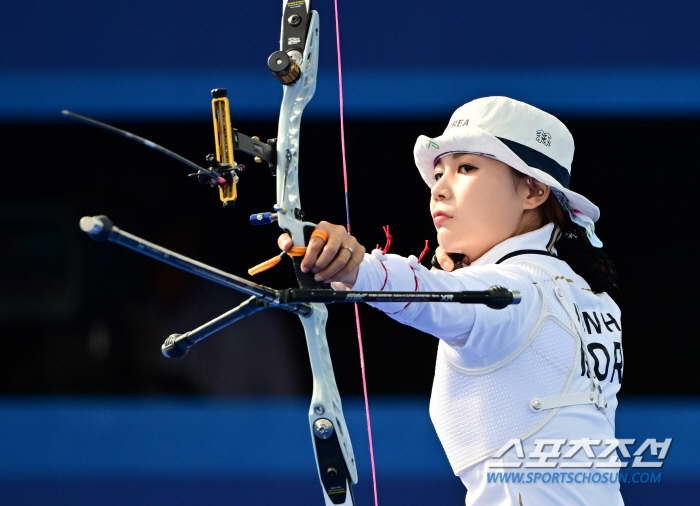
point(425, 250)
point(385, 250)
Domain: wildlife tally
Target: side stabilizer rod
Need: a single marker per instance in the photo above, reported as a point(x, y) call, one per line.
point(177, 345)
point(495, 297)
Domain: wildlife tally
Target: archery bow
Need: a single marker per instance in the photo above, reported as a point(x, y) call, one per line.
point(295, 65)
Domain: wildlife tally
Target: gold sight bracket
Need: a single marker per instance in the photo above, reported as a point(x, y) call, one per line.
point(224, 145)
point(228, 140)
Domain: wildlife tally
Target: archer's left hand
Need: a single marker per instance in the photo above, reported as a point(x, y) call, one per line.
point(336, 261)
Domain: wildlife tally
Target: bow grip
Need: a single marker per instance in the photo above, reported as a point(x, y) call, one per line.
point(306, 279)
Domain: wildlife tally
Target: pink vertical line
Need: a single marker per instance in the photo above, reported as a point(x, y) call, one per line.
point(347, 211)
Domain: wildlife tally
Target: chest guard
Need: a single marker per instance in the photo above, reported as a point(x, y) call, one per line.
point(477, 411)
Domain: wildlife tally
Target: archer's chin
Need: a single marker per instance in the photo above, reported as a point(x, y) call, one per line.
point(447, 239)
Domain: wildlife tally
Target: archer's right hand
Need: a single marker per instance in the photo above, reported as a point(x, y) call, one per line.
point(447, 263)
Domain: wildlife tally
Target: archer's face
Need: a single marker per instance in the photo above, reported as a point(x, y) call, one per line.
point(475, 203)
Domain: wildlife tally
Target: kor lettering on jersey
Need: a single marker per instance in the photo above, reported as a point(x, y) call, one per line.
point(607, 363)
point(602, 358)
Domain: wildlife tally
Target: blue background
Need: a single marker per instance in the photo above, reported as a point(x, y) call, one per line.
point(256, 451)
point(154, 59)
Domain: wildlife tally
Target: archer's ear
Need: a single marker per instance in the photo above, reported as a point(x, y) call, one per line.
point(537, 192)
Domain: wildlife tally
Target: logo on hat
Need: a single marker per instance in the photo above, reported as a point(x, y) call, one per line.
point(431, 144)
point(544, 138)
point(458, 123)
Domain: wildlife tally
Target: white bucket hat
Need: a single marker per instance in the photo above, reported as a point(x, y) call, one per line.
point(529, 140)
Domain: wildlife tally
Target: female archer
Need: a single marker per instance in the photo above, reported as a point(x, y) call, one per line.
point(529, 390)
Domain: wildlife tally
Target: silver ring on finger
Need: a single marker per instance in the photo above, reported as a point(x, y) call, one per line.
point(349, 249)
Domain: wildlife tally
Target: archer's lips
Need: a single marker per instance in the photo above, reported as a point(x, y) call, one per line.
point(439, 217)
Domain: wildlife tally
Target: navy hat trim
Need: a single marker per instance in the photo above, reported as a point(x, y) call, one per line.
point(535, 159)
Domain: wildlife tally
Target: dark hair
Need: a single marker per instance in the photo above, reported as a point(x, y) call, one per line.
point(589, 262)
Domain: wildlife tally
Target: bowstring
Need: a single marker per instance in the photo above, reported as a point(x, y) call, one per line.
point(347, 212)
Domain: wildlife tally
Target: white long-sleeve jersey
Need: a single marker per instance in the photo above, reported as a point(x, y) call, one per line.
point(491, 363)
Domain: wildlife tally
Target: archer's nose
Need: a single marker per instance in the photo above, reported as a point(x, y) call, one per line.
point(441, 190)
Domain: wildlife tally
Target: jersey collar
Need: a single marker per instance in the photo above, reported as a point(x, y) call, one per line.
point(540, 240)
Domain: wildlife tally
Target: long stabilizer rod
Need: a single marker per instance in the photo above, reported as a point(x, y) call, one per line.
point(495, 297)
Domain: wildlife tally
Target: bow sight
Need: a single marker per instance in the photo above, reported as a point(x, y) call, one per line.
point(228, 140)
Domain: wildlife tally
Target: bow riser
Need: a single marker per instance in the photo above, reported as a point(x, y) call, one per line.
point(334, 454)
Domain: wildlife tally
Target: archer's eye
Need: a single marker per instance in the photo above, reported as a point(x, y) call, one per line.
point(437, 176)
point(465, 168)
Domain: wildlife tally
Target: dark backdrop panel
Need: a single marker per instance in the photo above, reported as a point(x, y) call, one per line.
point(80, 317)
